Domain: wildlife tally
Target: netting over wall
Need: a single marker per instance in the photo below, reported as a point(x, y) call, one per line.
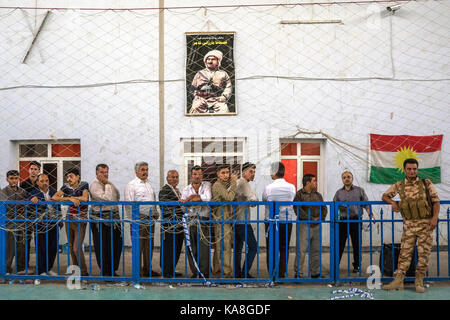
point(337, 71)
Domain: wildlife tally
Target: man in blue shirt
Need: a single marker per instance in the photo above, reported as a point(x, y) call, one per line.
point(75, 191)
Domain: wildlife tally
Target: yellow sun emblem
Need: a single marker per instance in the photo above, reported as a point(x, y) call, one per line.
point(403, 154)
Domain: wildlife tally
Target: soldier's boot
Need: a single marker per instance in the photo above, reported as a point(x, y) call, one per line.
point(418, 282)
point(397, 284)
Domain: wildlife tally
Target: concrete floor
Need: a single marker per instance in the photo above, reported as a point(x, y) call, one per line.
point(259, 268)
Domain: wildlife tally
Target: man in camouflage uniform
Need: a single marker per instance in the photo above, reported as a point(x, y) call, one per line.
point(420, 217)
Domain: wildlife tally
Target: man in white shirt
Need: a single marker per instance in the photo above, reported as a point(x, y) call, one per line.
point(279, 190)
point(139, 189)
point(102, 189)
point(198, 190)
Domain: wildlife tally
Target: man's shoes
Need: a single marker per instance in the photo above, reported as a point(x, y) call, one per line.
point(418, 283)
point(155, 274)
point(355, 270)
point(147, 274)
point(52, 273)
point(396, 284)
point(171, 275)
point(315, 276)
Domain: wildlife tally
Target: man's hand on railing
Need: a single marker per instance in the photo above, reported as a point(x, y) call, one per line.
point(395, 207)
point(34, 200)
point(76, 202)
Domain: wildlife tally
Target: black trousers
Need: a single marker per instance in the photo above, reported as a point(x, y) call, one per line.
point(46, 246)
point(172, 243)
point(354, 231)
point(110, 234)
point(283, 246)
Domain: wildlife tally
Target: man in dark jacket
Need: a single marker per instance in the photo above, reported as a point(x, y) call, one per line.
point(16, 235)
point(45, 230)
point(172, 232)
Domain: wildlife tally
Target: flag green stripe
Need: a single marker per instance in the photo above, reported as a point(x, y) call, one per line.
point(392, 175)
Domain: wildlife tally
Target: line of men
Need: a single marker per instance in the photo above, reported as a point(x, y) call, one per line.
point(226, 188)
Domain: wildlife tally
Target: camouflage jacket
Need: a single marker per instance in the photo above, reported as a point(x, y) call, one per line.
point(413, 197)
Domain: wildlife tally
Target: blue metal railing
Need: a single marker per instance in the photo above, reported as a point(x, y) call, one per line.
point(110, 248)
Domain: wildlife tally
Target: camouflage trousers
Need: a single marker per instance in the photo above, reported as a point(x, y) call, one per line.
point(415, 230)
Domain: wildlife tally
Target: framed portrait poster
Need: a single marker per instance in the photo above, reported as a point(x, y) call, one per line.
point(210, 74)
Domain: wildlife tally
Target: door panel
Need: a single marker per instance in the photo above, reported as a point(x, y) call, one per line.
point(290, 174)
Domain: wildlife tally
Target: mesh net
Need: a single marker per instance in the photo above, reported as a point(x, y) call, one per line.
point(336, 71)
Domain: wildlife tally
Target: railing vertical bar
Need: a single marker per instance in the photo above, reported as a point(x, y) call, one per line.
point(233, 262)
point(2, 239)
point(123, 240)
point(360, 216)
point(371, 235)
point(257, 242)
point(15, 238)
point(286, 243)
point(348, 241)
point(80, 247)
point(89, 230)
point(136, 264)
point(437, 249)
point(112, 241)
point(320, 241)
point(381, 242)
point(150, 251)
point(26, 240)
point(100, 230)
point(297, 243)
point(309, 242)
point(393, 242)
point(46, 240)
point(57, 240)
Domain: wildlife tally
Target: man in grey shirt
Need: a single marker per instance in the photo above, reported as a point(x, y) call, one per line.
point(244, 231)
point(105, 233)
point(350, 192)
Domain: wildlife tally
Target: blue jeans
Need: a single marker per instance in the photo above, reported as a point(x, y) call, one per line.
point(242, 236)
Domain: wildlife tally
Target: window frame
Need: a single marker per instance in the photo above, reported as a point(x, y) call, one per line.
point(300, 158)
point(48, 159)
point(197, 156)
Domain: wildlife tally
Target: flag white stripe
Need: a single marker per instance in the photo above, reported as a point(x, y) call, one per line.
point(386, 159)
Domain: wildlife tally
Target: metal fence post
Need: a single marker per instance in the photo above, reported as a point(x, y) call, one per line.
point(270, 248)
point(135, 252)
point(336, 241)
point(332, 244)
point(2, 240)
point(276, 249)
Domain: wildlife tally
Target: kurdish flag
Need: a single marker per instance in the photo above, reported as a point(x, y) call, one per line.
point(387, 154)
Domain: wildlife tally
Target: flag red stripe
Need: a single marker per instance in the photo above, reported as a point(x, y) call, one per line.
point(390, 143)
